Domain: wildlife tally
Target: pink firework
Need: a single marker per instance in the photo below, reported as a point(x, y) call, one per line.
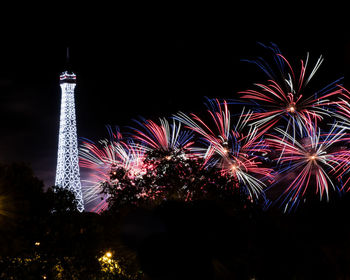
point(313, 162)
point(216, 138)
point(163, 136)
point(235, 152)
point(287, 98)
point(342, 112)
point(103, 158)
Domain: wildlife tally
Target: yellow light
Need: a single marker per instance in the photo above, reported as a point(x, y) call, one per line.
point(233, 167)
point(108, 264)
point(37, 243)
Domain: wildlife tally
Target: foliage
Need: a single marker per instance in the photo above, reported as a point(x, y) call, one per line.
point(169, 175)
point(41, 266)
point(21, 207)
point(61, 200)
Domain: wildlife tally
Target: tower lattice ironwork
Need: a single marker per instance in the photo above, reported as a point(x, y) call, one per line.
point(67, 172)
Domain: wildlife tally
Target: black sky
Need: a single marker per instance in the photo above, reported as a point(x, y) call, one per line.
point(139, 62)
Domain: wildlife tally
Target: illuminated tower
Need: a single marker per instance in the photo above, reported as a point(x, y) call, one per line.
point(67, 172)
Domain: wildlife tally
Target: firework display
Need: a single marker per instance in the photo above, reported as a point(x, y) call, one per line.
point(309, 163)
point(231, 149)
point(164, 137)
point(104, 158)
point(285, 99)
point(290, 139)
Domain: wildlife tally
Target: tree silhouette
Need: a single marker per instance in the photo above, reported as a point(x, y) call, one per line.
point(169, 175)
point(60, 200)
point(22, 207)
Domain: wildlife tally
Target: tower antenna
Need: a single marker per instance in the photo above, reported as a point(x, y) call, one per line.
point(68, 66)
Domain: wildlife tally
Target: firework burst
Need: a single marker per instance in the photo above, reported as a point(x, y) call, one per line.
point(284, 98)
point(342, 112)
point(314, 162)
point(308, 161)
point(104, 158)
point(230, 150)
point(163, 137)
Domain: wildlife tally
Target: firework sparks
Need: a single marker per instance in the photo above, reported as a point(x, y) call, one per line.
point(315, 159)
point(218, 140)
point(284, 106)
point(101, 159)
point(284, 99)
point(163, 137)
point(233, 152)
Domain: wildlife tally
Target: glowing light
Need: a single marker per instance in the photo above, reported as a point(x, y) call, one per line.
point(37, 243)
point(291, 109)
point(67, 171)
point(109, 265)
point(234, 167)
point(312, 157)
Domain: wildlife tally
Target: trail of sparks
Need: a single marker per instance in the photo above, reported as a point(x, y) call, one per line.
point(164, 137)
point(284, 108)
point(315, 159)
point(229, 149)
point(283, 99)
point(101, 159)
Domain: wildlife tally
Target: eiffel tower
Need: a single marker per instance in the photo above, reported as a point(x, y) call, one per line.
point(67, 171)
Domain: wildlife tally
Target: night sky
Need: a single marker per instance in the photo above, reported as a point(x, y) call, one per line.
point(139, 63)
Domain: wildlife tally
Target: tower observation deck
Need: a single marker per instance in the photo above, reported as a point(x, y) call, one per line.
point(67, 171)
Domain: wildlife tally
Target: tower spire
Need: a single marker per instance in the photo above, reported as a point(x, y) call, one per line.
point(68, 63)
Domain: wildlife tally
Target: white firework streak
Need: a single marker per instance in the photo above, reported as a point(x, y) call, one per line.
point(101, 161)
point(312, 158)
point(233, 149)
point(163, 137)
